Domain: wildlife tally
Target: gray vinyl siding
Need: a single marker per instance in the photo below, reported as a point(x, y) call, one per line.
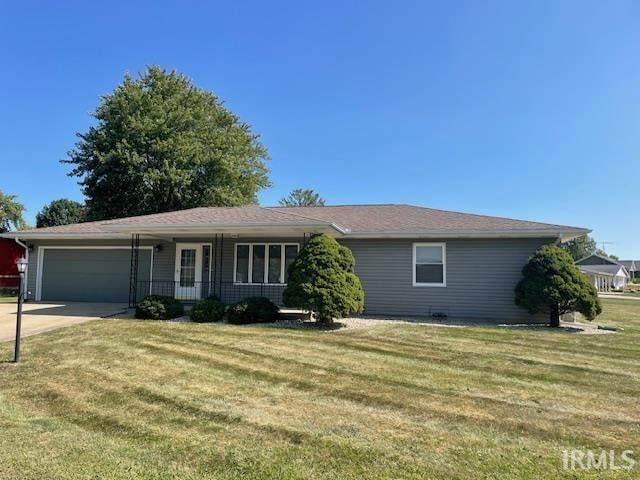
point(481, 274)
point(481, 277)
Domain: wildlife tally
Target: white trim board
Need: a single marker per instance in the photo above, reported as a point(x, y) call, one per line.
point(266, 262)
point(40, 258)
point(442, 245)
point(177, 261)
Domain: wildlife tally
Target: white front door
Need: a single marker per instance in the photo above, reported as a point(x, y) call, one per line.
point(188, 278)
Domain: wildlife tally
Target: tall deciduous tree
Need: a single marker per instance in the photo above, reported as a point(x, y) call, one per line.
point(161, 144)
point(60, 212)
point(302, 197)
point(552, 284)
point(584, 246)
point(10, 213)
point(580, 247)
point(602, 253)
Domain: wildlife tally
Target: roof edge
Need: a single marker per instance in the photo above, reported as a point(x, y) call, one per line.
point(118, 232)
point(564, 235)
point(604, 257)
point(64, 235)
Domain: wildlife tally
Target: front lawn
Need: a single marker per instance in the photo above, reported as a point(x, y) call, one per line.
point(123, 399)
point(4, 299)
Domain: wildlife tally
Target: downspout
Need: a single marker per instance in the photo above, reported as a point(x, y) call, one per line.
point(26, 275)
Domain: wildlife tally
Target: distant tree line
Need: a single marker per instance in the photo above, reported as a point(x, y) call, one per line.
point(584, 246)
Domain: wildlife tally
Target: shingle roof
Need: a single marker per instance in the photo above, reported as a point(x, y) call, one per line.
point(597, 259)
point(602, 269)
point(631, 265)
point(408, 218)
point(347, 219)
point(194, 216)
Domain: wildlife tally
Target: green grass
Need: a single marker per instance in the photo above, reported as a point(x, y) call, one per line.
point(8, 299)
point(125, 399)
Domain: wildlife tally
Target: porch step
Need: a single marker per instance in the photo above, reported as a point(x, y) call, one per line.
point(293, 314)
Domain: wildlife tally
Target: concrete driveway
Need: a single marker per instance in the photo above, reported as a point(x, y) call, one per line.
point(42, 317)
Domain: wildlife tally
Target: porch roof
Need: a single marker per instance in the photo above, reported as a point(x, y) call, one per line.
point(604, 270)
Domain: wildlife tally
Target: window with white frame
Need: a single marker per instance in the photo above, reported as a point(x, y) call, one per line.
point(263, 262)
point(429, 265)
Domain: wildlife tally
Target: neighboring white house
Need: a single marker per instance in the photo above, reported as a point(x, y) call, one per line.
point(633, 266)
point(607, 274)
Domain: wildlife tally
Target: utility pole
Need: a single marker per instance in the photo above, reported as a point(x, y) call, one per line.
point(603, 244)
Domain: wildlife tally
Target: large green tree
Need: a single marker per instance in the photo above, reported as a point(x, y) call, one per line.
point(302, 197)
point(60, 212)
point(580, 247)
point(608, 255)
point(322, 279)
point(10, 213)
point(161, 144)
point(552, 284)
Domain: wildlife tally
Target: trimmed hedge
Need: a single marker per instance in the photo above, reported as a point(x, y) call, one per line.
point(552, 284)
point(158, 307)
point(322, 279)
point(208, 310)
point(252, 310)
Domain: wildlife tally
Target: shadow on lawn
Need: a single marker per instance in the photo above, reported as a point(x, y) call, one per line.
point(304, 325)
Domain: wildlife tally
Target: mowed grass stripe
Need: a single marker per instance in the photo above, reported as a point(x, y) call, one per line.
point(459, 405)
point(423, 376)
point(130, 399)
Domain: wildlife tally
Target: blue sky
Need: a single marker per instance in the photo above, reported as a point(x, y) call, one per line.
point(520, 109)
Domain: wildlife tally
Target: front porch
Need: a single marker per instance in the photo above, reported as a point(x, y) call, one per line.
point(227, 292)
point(229, 266)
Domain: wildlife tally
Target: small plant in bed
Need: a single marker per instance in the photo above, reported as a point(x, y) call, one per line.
point(252, 310)
point(209, 310)
point(158, 307)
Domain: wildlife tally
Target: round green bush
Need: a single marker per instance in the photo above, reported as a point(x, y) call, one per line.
point(322, 279)
point(252, 310)
point(158, 307)
point(552, 284)
point(208, 310)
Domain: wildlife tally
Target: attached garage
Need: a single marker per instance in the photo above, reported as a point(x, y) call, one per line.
point(96, 274)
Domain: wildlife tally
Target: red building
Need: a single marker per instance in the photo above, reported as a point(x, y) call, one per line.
point(10, 252)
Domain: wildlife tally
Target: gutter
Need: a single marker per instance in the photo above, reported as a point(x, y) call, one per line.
point(26, 249)
point(63, 236)
point(563, 235)
point(153, 231)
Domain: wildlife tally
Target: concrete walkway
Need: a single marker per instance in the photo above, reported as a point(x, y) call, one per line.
point(618, 296)
point(42, 317)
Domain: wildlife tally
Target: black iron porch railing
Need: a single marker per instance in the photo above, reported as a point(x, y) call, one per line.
point(227, 292)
